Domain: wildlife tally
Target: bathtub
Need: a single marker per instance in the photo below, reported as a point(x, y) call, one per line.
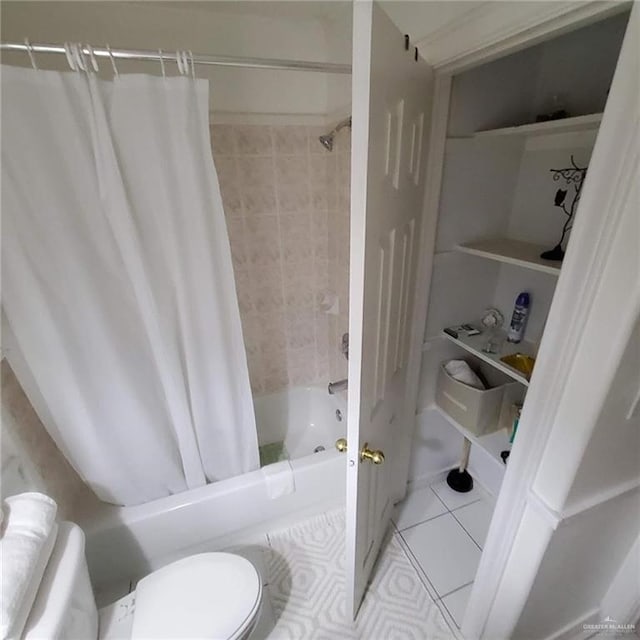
point(125, 543)
point(304, 418)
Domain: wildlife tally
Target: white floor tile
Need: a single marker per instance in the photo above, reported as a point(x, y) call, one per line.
point(433, 594)
point(417, 507)
point(475, 518)
point(456, 603)
point(444, 550)
point(454, 499)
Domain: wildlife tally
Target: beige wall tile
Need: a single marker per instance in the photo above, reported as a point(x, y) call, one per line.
point(293, 198)
point(259, 201)
point(223, 140)
point(287, 203)
point(244, 291)
point(292, 170)
point(300, 328)
point(273, 331)
point(231, 200)
point(253, 140)
point(255, 171)
point(291, 140)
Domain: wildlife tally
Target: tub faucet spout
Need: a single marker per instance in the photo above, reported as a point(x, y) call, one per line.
point(336, 387)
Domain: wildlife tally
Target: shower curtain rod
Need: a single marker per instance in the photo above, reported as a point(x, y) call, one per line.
point(218, 61)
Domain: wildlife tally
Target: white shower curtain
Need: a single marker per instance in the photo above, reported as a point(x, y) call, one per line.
point(117, 280)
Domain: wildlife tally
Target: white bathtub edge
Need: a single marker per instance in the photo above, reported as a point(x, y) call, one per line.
point(128, 542)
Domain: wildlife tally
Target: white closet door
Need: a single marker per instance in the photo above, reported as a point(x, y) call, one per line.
point(392, 94)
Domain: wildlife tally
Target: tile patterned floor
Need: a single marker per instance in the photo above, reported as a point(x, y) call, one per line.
point(443, 533)
point(306, 581)
point(426, 570)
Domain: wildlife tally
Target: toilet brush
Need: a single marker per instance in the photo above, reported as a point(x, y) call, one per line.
point(459, 479)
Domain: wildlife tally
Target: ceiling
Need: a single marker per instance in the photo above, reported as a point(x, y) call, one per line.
point(421, 19)
point(268, 8)
point(429, 23)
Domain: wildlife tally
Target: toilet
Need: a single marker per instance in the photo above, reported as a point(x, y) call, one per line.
point(213, 596)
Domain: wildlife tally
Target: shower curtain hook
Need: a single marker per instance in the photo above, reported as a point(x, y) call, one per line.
point(185, 63)
point(193, 65)
point(113, 62)
point(92, 58)
point(78, 54)
point(161, 63)
point(70, 59)
point(179, 62)
point(30, 52)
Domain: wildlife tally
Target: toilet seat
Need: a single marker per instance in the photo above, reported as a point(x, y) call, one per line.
point(208, 595)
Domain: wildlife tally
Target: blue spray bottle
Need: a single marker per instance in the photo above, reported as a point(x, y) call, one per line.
point(519, 318)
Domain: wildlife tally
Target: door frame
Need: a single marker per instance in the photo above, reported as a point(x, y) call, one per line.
point(574, 304)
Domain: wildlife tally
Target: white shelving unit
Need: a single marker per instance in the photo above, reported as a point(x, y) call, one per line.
point(474, 344)
point(493, 443)
point(497, 215)
point(523, 254)
point(565, 125)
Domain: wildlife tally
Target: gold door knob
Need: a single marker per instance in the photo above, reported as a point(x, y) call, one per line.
point(377, 457)
point(341, 444)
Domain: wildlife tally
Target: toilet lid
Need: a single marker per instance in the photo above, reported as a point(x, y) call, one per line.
point(208, 595)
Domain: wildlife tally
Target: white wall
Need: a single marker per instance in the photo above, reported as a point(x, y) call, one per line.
point(610, 462)
point(338, 31)
point(572, 72)
point(582, 559)
point(206, 28)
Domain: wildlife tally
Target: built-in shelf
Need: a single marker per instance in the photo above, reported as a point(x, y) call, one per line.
point(523, 254)
point(474, 344)
point(564, 125)
point(493, 443)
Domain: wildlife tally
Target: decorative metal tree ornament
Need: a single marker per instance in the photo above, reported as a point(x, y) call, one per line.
point(572, 176)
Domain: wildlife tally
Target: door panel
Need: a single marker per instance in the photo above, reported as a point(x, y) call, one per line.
point(391, 111)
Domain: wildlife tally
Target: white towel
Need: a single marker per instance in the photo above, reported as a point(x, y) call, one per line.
point(29, 520)
point(32, 513)
point(459, 370)
point(279, 479)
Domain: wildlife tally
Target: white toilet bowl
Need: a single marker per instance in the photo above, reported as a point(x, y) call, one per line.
point(213, 596)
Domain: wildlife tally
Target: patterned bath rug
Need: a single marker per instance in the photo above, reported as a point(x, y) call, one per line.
point(306, 568)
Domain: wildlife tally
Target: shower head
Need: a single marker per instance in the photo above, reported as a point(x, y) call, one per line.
point(327, 140)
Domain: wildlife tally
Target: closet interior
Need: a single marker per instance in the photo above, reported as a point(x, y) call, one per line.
point(520, 134)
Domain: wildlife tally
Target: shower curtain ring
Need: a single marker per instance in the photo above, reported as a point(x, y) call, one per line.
point(92, 58)
point(30, 52)
point(78, 55)
point(179, 62)
point(193, 65)
point(162, 63)
point(113, 62)
point(70, 59)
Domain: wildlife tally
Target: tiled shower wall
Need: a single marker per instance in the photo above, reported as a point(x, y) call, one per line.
point(286, 200)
